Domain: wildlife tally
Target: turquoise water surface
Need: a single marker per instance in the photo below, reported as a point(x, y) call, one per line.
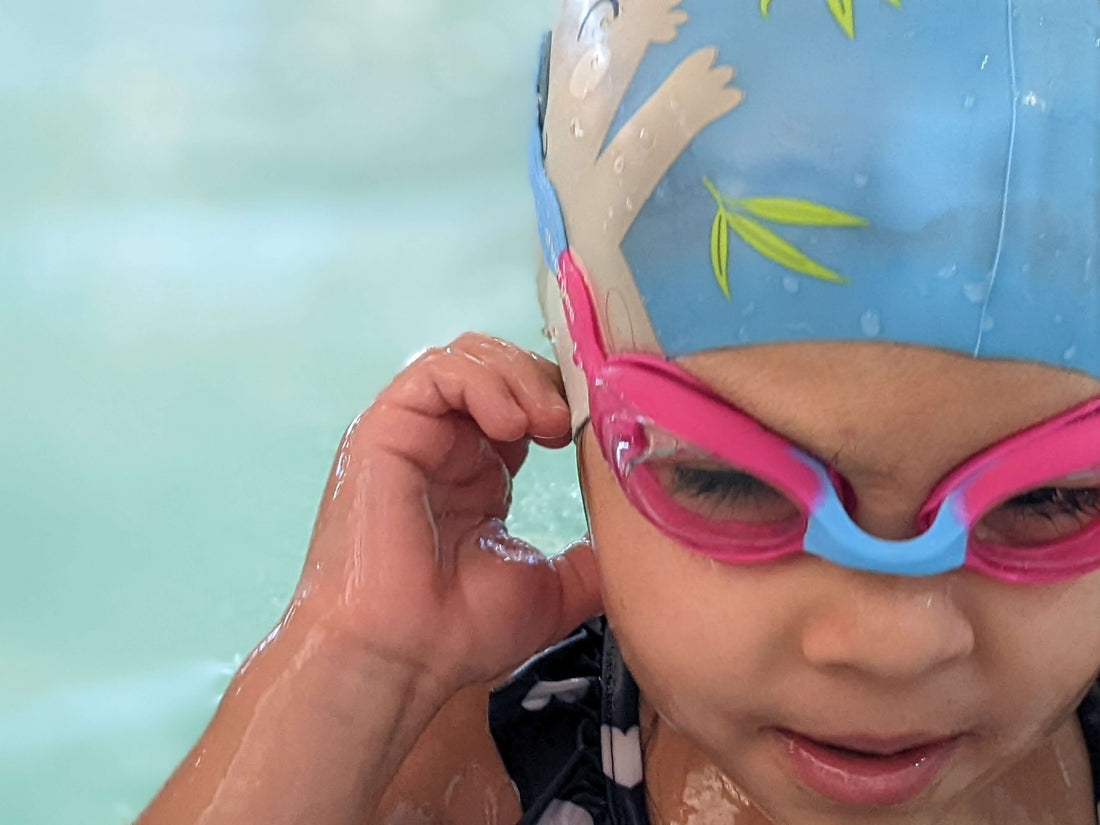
point(225, 224)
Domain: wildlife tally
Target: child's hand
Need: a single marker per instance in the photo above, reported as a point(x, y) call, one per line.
point(409, 556)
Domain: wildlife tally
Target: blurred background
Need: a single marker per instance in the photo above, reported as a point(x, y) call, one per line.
point(224, 224)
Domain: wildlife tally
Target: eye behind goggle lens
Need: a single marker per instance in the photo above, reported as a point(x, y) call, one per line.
point(720, 492)
point(703, 501)
point(1058, 511)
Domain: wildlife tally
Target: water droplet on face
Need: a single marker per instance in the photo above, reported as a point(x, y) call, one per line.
point(948, 271)
point(647, 139)
point(576, 129)
point(969, 101)
point(975, 292)
point(861, 180)
point(619, 164)
point(790, 284)
point(870, 323)
point(1070, 353)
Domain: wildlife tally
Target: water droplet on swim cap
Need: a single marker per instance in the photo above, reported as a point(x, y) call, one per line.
point(589, 72)
point(935, 160)
point(1070, 353)
point(1033, 100)
point(870, 323)
point(948, 271)
point(975, 292)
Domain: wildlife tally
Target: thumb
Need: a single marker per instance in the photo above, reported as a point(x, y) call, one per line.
point(578, 574)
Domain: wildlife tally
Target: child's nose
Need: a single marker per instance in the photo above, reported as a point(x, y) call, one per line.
point(886, 626)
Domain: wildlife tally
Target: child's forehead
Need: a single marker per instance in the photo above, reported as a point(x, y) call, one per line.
point(887, 402)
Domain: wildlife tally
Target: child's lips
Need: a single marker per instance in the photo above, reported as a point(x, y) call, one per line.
point(867, 770)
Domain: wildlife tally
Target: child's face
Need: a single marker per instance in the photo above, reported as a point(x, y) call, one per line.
point(731, 654)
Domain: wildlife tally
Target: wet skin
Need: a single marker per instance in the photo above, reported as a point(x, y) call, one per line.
point(350, 712)
point(726, 654)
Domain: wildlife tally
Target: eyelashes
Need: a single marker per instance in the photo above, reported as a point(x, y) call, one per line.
point(1051, 502)
point(723, 485)
point(724, 494)
point(1036, 517)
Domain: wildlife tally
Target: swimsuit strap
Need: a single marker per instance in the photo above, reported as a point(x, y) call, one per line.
point(1088, 713)
point(556, 729)
point(620, 738)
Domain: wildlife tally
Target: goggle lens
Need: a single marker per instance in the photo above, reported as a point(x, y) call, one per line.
point(1057, 511)
point(704, 500)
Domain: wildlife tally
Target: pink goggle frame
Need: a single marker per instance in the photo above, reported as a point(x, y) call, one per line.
point(689, 462)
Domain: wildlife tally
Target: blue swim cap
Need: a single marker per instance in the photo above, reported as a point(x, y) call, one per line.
point(735, 172)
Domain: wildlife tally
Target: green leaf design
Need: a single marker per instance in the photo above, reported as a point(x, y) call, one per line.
point(720, 250)
point(843, 11)
point(845, 14)
point(798, 212)
point(771, 246)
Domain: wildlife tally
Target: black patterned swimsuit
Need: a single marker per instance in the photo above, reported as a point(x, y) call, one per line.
point(567, 728)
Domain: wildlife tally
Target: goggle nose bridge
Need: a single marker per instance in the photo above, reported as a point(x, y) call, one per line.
point(833, 535)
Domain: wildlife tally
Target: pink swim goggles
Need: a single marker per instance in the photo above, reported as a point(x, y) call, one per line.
point(1025, 510)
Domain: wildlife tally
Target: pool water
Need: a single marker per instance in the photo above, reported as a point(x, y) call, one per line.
point(225, 224)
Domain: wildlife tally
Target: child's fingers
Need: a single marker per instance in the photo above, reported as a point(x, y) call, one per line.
point(554, 442)
point(544, 599)
point(483, 487)
point(509, 394)
point(534, 382)
point(444, 382)
point(578, 575)
point(518, 361)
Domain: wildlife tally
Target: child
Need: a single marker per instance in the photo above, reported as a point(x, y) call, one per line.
point(826, 310)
